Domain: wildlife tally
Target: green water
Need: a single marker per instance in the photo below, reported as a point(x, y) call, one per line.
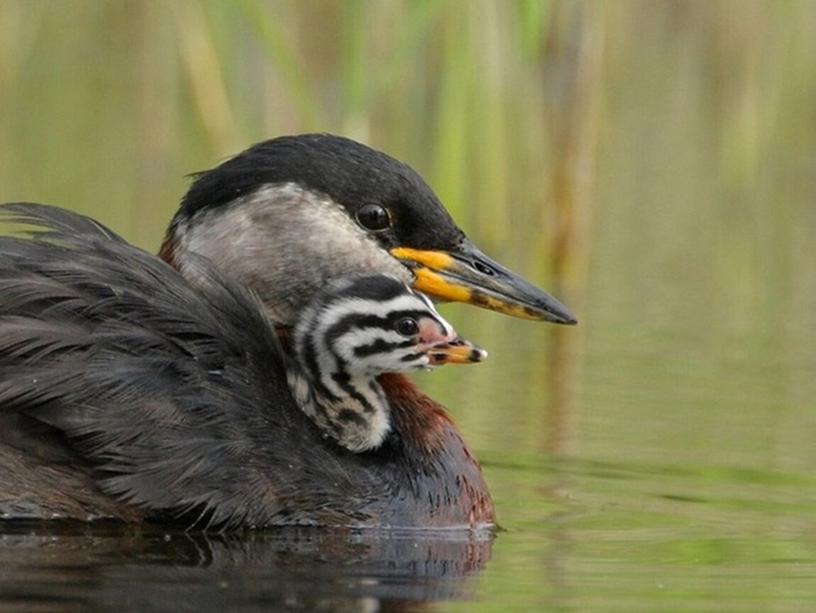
point(666, 460)
point(678, 478)
point(652, 163)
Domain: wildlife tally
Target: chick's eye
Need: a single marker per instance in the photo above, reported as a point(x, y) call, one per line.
point(373, 217)
point(407, 326)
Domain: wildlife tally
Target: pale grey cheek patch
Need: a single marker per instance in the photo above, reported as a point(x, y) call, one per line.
point(285, 243)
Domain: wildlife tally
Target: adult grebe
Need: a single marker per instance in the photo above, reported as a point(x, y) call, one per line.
point(130, 390)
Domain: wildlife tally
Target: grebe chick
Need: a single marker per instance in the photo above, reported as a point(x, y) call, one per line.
point(355, 330)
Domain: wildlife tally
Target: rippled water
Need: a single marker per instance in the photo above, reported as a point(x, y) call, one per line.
point(75, 567)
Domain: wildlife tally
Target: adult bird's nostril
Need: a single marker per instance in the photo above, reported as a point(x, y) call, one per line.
point(483, 268)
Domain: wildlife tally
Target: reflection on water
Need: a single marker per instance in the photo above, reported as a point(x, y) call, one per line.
point(74, 567)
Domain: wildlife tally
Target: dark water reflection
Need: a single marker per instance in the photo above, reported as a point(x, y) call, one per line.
point(76, 567)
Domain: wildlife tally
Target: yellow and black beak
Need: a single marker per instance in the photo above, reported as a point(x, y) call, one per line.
point(465, 274)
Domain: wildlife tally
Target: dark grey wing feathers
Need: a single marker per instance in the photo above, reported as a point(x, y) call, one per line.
point(165, 388)
point(54, 222)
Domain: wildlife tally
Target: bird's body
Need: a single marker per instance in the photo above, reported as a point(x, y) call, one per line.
point(134, 389)
point(176, 398)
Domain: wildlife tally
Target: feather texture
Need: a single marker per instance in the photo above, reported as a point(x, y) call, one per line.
point(162, 399)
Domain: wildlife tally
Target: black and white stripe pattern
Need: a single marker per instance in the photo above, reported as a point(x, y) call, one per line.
point(344, 339)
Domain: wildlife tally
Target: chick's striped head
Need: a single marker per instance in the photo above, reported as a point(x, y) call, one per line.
point(373, 324)
point(354, 330)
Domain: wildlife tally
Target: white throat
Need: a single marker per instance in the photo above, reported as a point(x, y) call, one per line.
point(354, 412)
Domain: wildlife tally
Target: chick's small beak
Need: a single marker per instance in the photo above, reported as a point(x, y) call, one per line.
point(465, 274)
point(457, 351)
point(443, 345)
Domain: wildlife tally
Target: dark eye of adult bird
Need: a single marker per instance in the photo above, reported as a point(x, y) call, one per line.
point(373, 217)
point(142, 391)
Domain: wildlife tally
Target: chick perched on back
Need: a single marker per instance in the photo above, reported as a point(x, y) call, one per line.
point(353, 331)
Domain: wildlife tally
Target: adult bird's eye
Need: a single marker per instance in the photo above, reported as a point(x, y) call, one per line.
point(373, 217)
point(407, 326)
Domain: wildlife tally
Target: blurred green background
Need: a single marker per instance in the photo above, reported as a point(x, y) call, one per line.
point(651, 162)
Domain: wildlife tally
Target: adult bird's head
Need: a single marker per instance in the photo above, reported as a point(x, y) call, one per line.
point(291, 214)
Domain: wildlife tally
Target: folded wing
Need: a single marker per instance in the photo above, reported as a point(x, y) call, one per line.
point(172, 395)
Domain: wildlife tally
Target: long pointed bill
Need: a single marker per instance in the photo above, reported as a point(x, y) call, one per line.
point(468, 275)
